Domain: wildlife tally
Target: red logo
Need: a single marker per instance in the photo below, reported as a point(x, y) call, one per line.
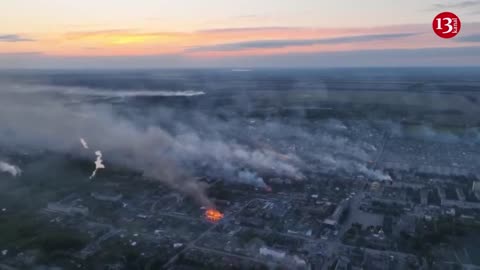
point(446, 25)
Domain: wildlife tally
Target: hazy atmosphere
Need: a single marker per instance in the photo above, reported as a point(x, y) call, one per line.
point(165, 34)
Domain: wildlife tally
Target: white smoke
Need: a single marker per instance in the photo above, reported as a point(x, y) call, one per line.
point(9, 168)
point(373, 174)
point(162, 155)
point(336, 125)
point(83, 91)
point(83, 143)
point(98, 163)
point(251, 178)
point(141, 93)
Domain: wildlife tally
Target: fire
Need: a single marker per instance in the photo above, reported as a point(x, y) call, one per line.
point(213, 215)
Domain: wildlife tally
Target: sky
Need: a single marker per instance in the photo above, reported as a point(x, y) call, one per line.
point(227, 33)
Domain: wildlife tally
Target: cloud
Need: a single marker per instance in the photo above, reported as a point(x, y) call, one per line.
point(471, 38)
point(270, 44)
point(462, 4)
point(131, 31)
point(14, 38)
point(123, 37)
point(97, 32)
point(248, 29)
point(289, 32)
point(118, 32)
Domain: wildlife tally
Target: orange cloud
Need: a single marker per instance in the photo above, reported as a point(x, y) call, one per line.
point(125, 42)
point(122, 37)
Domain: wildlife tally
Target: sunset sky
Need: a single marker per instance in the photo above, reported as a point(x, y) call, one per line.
point(242, 33)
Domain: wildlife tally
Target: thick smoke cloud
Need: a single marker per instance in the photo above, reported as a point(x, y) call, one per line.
point(251, 178)
point(9, 168)
point(173, 149)
point(41, 121)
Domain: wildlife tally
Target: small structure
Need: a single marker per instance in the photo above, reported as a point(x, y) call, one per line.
point(67, 209)
point(275, 254)
point(113, 197)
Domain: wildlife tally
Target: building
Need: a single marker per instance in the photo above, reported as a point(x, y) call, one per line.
point(343, 263)
point(476, 187)
point(276, 254)
point(334, 219)
point(113, 197)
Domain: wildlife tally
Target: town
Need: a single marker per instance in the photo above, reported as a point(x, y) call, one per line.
point(425, 215)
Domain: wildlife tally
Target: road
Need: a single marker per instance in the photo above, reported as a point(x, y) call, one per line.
point(192, 244)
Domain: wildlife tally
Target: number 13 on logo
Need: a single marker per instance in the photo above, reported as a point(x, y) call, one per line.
point(446, 25)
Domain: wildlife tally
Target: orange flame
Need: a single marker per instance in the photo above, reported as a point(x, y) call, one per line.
point(213, 215)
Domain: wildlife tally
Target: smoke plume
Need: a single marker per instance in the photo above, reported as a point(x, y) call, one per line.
point(9, 168)
point(98, 163)
point(42, 121)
